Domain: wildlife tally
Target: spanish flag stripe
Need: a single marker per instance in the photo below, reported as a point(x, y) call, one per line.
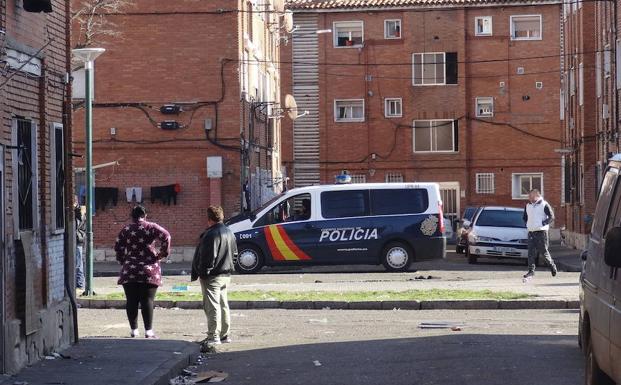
point(272, 245)
point(292, 246)
point(281, 245)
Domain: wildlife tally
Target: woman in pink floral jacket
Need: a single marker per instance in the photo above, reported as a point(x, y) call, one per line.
point(141, 273)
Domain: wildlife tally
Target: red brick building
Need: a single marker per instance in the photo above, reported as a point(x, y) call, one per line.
point(185, 84)
point(36, 232)
point(465, 95)
point(590, 107)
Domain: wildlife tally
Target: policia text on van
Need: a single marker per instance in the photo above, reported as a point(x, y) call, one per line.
point(393, 224)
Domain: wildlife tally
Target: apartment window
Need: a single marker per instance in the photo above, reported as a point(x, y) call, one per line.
point(581, 84)
point(522, 184)
point(562, 104)
point(485, 107)
point(392, 108)
point(483, 26)
point(435, 135)
point(434, 68)
point(349, 110)
point(526, 27)
point(26, 156)
point(392, 29)
point(485, 183)
point(348, 33)
point(572, 82)
point(244, 72)
point(394, 177)
point(358, 178)
point(607, 64)
point(57, 150)
point(618, 62)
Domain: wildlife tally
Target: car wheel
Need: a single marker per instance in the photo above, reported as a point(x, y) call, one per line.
point(472, 259)
point(397, 257)
point(593, 375)
point(249, 259)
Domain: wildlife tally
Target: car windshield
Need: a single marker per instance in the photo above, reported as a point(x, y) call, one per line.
point(469, 213)
point(266, 204)
point(501, 218)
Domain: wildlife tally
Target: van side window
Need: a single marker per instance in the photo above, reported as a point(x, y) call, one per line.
point(614, 219)
point(294, 209)
point(344, 204)
point(603, 204)
point(399, 201)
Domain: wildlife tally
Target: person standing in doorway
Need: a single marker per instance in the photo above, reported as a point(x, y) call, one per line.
point(80, 236)
point(538, 215)
point(141, 273)
point(213, 264)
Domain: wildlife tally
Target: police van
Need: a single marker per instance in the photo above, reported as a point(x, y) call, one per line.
point(393, 224)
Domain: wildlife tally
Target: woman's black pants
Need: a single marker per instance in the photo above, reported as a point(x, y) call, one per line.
point(142, 294)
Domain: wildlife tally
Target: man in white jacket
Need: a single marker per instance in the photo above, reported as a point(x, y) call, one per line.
point(538, 214)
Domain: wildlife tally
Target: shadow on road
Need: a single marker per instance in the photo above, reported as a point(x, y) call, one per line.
point(455, 359)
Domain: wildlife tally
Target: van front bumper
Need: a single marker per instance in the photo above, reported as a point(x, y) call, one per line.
point(499, 250)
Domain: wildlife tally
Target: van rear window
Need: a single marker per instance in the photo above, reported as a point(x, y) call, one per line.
point(399, 201)
point(344, 204)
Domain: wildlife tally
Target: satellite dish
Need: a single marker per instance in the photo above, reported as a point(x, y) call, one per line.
point(288, 21)
point(291, 107)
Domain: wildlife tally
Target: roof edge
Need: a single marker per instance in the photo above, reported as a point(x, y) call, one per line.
point(425, 7)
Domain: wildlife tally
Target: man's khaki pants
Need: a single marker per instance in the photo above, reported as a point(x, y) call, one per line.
point(216, 306)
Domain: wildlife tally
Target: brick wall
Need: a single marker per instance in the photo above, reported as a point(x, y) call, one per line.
point(520, 138)
point(39, 99)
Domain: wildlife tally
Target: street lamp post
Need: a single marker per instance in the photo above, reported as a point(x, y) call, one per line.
point(88, 55)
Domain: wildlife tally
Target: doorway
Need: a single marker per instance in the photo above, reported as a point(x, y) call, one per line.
point(449, 192)
point(2, 262)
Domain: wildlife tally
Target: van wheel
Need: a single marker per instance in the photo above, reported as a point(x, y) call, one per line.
point(397, 257)
point(472, 259)
point(593, 375)
point(249, 259)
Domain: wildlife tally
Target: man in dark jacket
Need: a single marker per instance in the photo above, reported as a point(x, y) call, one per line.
point(213, 264)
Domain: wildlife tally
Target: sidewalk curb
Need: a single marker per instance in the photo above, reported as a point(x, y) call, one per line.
point(550, 304)
point(567, 267)
point(172, 368)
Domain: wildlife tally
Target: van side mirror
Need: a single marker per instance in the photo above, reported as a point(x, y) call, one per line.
point(612, 252)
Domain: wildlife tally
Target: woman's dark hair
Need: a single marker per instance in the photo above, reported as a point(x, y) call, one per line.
point(215, 214)
point(138, 212)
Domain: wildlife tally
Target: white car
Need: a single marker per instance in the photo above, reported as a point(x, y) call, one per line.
point(497, 232)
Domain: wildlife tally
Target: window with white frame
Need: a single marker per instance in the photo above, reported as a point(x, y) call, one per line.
point(394, 177)
point(607, 63)
point(483, 26)
point(392, 29)
point(348, 33)
point(526, 27)
point(434, 68)
point(351, 110)
point(358, 178)
point(244, 72)
point(572, 82)
point(618, 62)
point(522, 184)
point(57, 180)
point(485, 183)
point(393, 108)
point(485, 107)
point(435, 135)
point(581, 84)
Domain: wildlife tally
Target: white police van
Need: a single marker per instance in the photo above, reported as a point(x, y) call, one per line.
point(393, 224)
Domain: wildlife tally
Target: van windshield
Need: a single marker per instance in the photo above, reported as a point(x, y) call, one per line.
point(266, 204)
point(501, 218)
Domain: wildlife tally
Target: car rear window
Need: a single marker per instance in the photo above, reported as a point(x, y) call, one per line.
point(399, 201)
point(501, 218)
point(344, 204)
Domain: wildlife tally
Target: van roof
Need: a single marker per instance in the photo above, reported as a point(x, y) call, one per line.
point(357, 186)
point(507, 208)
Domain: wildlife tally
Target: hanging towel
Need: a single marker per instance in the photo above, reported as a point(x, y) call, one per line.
point(165, 194)
point(134, 193)
point(104, 196)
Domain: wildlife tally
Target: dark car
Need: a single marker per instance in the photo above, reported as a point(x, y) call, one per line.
point(463, 229)
point(600, 285)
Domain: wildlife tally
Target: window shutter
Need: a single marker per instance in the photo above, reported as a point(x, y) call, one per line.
point(456, 135)
point(451, 67)
point(38, 6)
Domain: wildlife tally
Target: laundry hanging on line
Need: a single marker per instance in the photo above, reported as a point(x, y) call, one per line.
point(105, 196)
point(165, 194)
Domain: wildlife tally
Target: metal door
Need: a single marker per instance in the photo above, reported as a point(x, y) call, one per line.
point(449, 192)
point(2, 261)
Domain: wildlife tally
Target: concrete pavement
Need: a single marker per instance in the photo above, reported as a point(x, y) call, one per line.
point(388, 347)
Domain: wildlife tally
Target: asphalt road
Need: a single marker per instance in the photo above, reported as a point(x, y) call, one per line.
point(378, 347)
